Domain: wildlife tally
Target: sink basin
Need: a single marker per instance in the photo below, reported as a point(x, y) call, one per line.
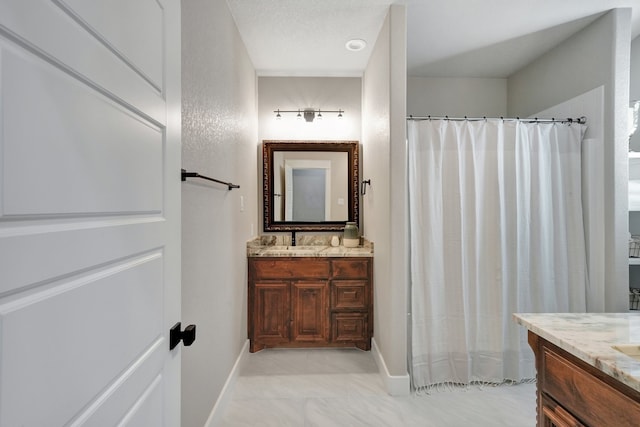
point(631, 350)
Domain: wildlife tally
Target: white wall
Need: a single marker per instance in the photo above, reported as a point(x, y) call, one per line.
point(219, 140)
point(325, 93)
point(596, 56)
point(591, 105)
point(383, 134)
point(634, 92)
point(456, 97)
point(293, 93)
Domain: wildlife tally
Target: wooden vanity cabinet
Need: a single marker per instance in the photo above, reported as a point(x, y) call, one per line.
point(572, 393)
point(310, 302)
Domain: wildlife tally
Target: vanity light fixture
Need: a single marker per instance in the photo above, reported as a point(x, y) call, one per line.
point(309, 114)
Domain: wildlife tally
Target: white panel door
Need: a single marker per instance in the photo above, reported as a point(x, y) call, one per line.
point(89, 212)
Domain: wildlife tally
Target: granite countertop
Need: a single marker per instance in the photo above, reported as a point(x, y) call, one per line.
point(590, 337)
point(306, 246)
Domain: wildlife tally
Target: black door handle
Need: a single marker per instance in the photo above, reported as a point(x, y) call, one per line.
point(188, 336)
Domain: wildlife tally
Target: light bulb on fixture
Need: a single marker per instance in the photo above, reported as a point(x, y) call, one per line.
point(339, 114)
point(319, 116)
point(278, 116)
point(299, 116)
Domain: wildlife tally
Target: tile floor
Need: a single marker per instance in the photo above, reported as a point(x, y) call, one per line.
point(342, 387)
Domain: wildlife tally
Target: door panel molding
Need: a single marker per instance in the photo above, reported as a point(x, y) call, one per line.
point(80, 54)
point(109, 339)
point(147, 43)
point(112, 162)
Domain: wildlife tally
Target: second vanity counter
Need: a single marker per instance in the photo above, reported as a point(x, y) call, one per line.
point(591, 337)
point(588, 368)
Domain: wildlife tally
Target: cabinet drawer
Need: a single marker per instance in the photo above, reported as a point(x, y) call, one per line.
point(592, 400)
point(349, 327)
point(554, 415)
point(349, 295)
point(287, 268)
point(350, 268)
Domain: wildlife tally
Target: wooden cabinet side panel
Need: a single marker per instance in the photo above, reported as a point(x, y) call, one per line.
point(310, 310)
point(535, 344)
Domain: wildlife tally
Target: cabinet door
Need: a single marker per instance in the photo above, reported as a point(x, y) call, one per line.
point(271, 313)
point(310, 323)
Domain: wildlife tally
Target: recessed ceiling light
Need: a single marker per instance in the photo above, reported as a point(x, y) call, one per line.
point(355, 45)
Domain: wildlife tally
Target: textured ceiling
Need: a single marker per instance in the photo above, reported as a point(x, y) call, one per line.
point(465, 38)
point(307, 37)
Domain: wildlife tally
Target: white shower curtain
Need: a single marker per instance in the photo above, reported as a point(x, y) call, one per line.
point(495, 228)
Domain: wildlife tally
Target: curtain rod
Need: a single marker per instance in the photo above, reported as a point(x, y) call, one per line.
point(580, 120)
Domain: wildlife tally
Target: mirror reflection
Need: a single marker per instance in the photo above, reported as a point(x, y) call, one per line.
point(310, 185)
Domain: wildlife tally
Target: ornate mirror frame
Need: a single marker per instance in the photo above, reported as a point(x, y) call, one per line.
point(353, 161)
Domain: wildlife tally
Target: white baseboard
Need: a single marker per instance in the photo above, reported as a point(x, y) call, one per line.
point(396, 385)
point(215, 417)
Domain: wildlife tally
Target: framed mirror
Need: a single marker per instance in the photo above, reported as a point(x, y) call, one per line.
point(310, 185)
